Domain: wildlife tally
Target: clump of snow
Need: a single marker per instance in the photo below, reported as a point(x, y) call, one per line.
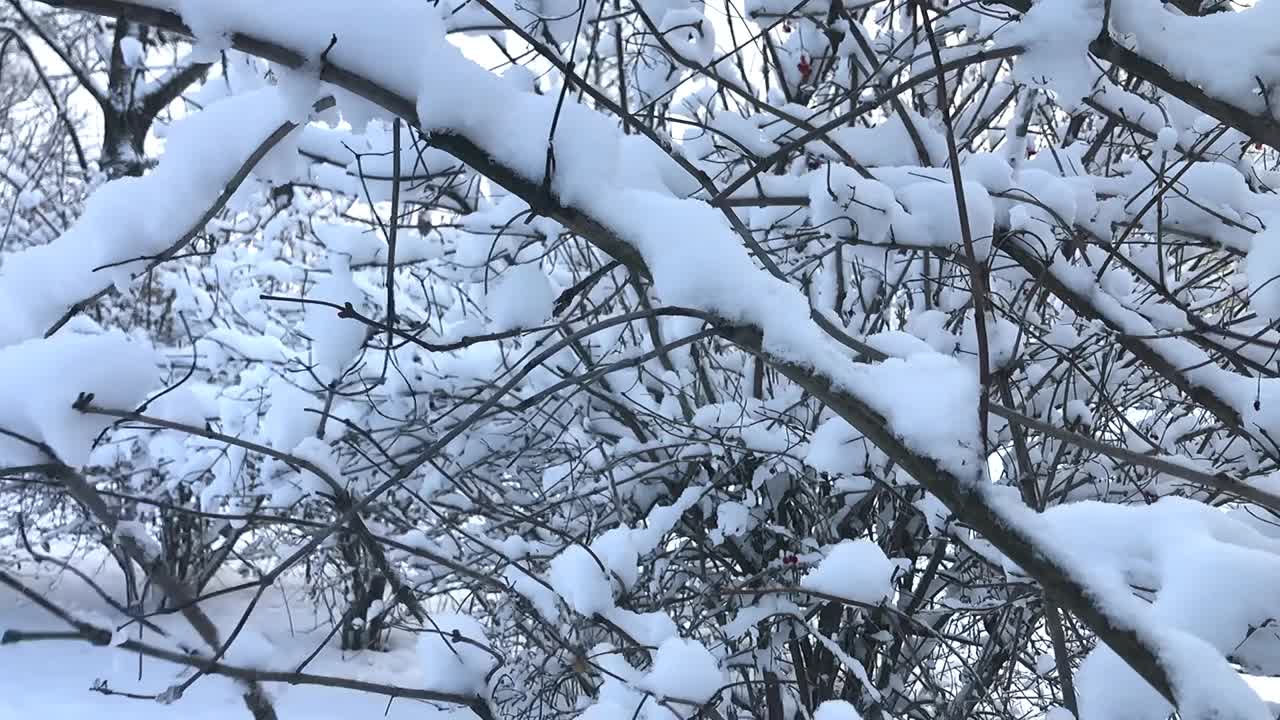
point(1232, 49)
point(211, 28)
point(334, 340)
point(686, 670)
point(365, 247)
point(846, 205)
point(662, 518)
point(288, 421)
point(453, 654)
point(856, 570)
point(1045, 665)
point(834, 448)
point(132, 52)
point(584, 576)
point(227, 341)
point(935, 216)
point(732, 519)
point(836, 710)
point(1262, 268)
point(889, 143)
point(1056, 35)
point(645, 628)
point(522, 299)
point(690, 34)
point(913, 393)
point(577, 577)
point(41, 379)
point(555, 475)
point(1213, 198)
point(1078, 413)
point(897, 343)
point(540, 596)
point(320, 454)
point(740, 130)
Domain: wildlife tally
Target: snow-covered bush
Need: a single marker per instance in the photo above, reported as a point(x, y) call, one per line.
point(646, 359)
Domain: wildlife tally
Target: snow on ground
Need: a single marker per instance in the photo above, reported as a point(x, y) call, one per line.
point(51, 680)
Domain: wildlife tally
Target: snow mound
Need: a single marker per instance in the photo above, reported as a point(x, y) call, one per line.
point(856, 570)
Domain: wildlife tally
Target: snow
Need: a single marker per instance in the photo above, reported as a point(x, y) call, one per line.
point(836, 710)
point(555, 475)
point(543, 599)
point(739, 130)
point(935, 211)
point(897, 343)
point(845, 204)
point(834, 448)
point(856, 570)
point(135, 533)
point(583, 576)
point(1192, 555)
point(132, 218)
point(887, 144)
point(1262, 268)
point(1078, 413)
point(1056, 35)
point(522, 299)
point(649, 629)
point(287, 421)
point(334, 340)
point(732, 519)
point(1196, 557)
point(317, 452)
point(364, 246)
point(689, 34)
point(684, 669)
point(661, 519)
point(1045, 665)
point(41, 379)
point(631, 185)
point(913, 393)
point(53, 678)
point(232, 342)
point(132, 52)
point(1236, 46)
point(577, 577)
point(454, 654)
